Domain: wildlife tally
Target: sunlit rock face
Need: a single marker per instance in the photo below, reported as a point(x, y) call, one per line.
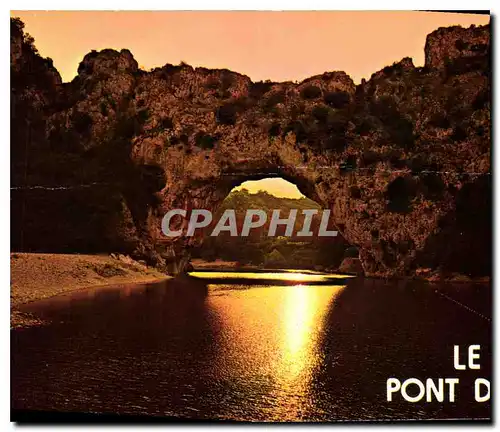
point(396, 158)
point(447, 44)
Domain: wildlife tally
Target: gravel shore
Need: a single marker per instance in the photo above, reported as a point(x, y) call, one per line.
point(35, 276)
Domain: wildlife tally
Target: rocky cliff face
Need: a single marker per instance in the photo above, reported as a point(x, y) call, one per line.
point(448, 44)
point(403, 160)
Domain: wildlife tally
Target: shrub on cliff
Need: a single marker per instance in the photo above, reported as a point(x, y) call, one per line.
point(417, 164)
point(462, 65)
point(355, 192)
point(349, 164)
point(364, 125)
point(398, 127)
point(310, 92)
point(399, 194)
point(212, 83)
point(205, 141)
point(218, 84)
point(459, 134)
point(166, 123)
point(482, 99)
point(320, 113)
point(227, 79)
point(128, 127)
point(298, 128)
point(439, 120)
point(351, 252)
point(432, 185)
point(17, 30)
point(370, 157)
point(394, 68)
point(337, 99)
point(104, 109)
point(334, 143)
point(260, 88)
point(461, 45)
point(82, 122)
point(274, 130)
point(395, 160)
point(226, 114)
point(337, 123)
point(273, 100)
point(152, 177)
point(30, 69)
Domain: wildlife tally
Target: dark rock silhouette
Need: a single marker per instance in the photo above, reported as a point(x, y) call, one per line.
point(390, 156)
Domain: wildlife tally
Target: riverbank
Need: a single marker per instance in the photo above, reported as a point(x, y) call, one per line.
point(218, 264)
point(35, 276)
point(349, 267)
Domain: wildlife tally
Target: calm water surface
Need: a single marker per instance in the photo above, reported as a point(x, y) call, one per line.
point(304, 347)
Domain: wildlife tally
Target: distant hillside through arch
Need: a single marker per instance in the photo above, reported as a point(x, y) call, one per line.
point(260, 250)
point(274, 186)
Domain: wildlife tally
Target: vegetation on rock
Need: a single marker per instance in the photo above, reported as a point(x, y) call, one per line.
point(97, 162)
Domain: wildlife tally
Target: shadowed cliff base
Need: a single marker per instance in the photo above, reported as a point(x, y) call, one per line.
point(97, 162)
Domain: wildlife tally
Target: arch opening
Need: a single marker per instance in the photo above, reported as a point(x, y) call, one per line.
point(263, 246)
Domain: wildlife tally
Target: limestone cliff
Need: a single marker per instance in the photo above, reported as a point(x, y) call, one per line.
point(403, 160)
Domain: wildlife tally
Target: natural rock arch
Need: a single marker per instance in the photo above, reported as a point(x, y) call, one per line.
point(210, 195)
point(180, 137)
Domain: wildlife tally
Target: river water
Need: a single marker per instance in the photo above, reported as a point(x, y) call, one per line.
point(282, 346)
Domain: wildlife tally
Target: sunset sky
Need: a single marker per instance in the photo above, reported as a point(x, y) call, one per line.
point(279, 46)
point(275, 186)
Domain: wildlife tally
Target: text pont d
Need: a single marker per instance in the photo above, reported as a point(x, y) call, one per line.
point(254, 218)
point(442, 389)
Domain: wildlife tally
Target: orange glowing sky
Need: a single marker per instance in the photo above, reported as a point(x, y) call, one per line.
point(275, 186)
point(279, 46)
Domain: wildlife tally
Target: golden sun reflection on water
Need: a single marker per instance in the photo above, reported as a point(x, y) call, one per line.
point(298, 325)
point(271, 340)
point(276, 275)
point(304, 310)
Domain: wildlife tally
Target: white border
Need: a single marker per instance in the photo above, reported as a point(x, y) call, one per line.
point(187, 5)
